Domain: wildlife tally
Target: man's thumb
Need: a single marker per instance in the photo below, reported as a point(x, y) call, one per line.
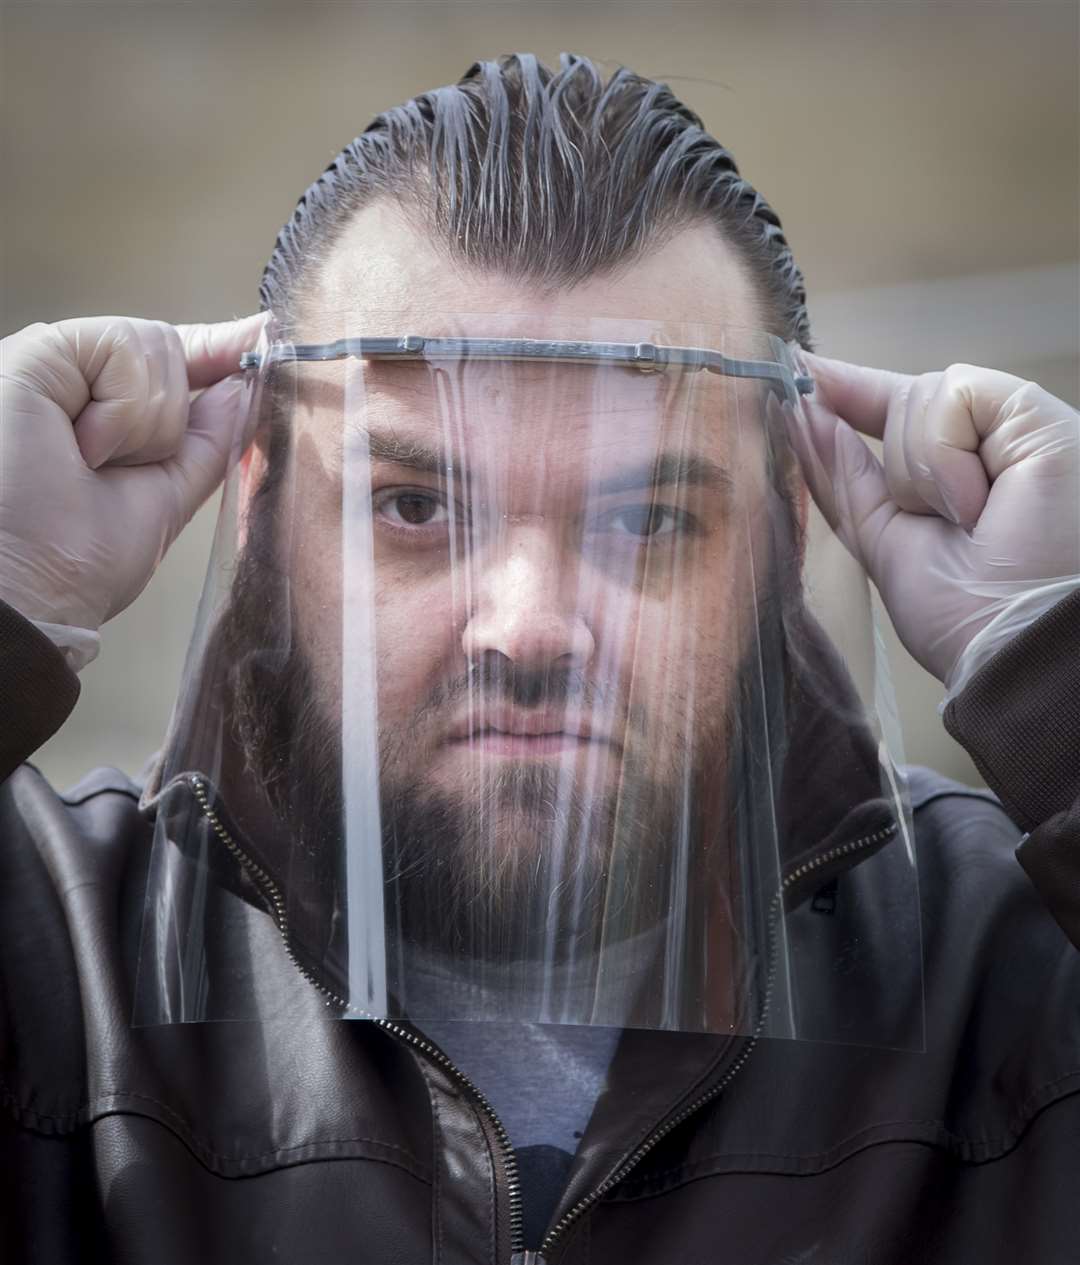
point(212, 443)
point(212, 352)
point(845, 479)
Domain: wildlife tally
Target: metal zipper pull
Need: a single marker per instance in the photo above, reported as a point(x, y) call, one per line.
point(527, 1258)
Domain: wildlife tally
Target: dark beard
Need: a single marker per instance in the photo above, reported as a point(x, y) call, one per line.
point(526, 867)
point(484, 922)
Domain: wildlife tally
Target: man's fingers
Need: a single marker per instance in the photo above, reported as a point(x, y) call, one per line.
point(812, 433)
point(943, 469)
point(939, 430)
point(213, 352)
point(865, 501)
point(138, 375)
point(120, 362)
point(860, 395)
point(846, 480)
point(970, 408)
point(139, 399)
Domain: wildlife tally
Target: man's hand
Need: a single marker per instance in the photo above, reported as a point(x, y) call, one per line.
point(971, 527)
point(103, 460)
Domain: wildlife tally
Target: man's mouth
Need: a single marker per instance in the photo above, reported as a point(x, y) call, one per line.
point(517, 731)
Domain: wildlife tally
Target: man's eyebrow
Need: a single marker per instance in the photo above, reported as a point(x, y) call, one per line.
point(405, 452)
point(667, 469)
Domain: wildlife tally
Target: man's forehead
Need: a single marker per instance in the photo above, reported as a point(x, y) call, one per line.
point(383, 264)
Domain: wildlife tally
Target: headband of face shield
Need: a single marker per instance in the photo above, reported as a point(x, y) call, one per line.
point(522, 688)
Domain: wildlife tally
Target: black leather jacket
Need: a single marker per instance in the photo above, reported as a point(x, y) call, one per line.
point(341, 1142)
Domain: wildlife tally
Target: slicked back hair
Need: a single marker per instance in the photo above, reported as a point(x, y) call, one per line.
point(547, 177)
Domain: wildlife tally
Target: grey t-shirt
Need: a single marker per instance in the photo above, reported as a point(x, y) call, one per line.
point(543, 1081)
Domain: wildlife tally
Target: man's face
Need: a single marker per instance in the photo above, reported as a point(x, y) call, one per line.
point(551, 566)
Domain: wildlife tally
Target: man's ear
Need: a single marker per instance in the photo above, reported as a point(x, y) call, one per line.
point(788, 474)
point(252, 470)
point(800, 500)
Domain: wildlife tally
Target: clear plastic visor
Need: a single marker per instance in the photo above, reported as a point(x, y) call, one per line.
point(509, 701)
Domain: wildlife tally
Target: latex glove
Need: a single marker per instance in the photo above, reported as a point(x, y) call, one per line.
point(104, 458)
point(970, 530)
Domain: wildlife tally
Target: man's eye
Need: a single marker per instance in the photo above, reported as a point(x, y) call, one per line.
point(646, 522)
point(411, 508)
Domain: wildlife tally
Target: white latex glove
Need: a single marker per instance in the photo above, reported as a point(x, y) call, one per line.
point(971, 528)
point(103, 460)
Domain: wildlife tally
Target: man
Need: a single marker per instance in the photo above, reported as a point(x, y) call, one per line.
point(519, 574)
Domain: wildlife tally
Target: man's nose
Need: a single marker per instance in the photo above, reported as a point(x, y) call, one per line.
point(528, 606)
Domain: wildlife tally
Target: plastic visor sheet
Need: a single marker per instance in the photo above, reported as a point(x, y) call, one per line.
point(523, 689)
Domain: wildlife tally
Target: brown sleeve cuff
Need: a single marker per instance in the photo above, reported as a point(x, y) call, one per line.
point(37, 689)
point(1051, 858)
point(1019, 718)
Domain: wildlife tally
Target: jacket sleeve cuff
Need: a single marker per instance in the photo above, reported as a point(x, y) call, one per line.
point(1019, 719)
point(1051, 858)
point(37, 689)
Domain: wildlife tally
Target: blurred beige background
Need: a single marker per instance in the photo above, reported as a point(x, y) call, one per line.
point(923, 156)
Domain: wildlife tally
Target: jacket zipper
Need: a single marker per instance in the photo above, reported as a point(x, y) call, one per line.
point(519, 1255)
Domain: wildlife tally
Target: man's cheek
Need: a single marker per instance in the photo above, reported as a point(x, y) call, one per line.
point(316, 600)
point(415, 646)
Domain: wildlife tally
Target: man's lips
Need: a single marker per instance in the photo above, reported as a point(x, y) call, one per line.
point(518, 730)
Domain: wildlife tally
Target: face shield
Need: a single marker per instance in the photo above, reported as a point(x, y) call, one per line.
point(522, 688)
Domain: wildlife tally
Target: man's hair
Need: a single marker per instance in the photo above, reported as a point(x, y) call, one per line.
point(545, 176)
